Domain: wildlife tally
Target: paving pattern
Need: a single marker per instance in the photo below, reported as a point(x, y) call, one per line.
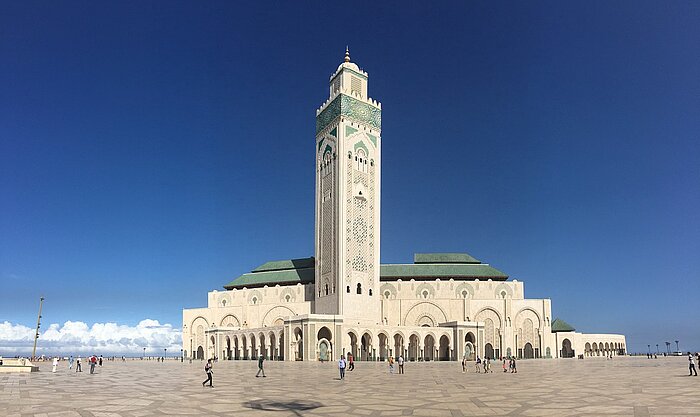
point(565, 387)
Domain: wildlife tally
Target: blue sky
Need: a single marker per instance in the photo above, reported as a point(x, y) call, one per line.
point(152, 151)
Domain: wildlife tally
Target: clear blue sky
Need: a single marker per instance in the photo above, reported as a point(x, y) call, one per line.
point(151, 152)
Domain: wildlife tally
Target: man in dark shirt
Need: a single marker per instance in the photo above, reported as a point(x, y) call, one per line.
point(260, 366)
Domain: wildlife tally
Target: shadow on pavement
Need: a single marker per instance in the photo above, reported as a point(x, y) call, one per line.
point(293, 406)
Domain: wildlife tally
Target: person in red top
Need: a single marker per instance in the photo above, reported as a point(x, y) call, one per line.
point(93, 362)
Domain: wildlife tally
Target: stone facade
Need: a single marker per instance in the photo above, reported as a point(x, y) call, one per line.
point(442, 307)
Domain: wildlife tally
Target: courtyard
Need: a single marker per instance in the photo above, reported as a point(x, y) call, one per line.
point(623, 386)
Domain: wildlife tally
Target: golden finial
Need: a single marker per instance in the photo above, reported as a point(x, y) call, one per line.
point(347, 54)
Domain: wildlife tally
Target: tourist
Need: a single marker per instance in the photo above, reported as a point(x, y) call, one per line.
point(78, 366)
point(100, 360)
point(209, 372)
point(260, 366)
point(70, 362)
point(513, 366)
point(351, 361)
point(464, 364)
point(478, 364)
point(505, 366)
point(487, 365)
point(400, 362)
point(93, 362)
point(391, 364)
point(341, 367)
point(55, 364)
point(691, 365)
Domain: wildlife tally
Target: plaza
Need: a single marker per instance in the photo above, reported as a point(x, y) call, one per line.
point(624, 386)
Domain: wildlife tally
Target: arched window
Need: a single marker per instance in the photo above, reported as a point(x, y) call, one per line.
point(387, 294)
point(255, 300)
point(287, 297)
point(359, 288)
point(425, 293)
point(326, 289)
point(370, 292)
point(348, 289)
point(223, 303)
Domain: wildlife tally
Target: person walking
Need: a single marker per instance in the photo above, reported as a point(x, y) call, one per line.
point(55, 364)
point(341, 367)
point(93, 362)
point(391, 364)
point(505, 364)
point(691, 365)
point(100, 361)
point(78, 366)
point(400, 362)
point(513, 366)
point(351, 360)
point(70, 362)
point(478, 364)
point(464, 364)
point(210, 372)
point(260, 366)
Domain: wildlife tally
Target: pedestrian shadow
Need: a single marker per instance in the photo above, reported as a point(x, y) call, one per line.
point(294, 406)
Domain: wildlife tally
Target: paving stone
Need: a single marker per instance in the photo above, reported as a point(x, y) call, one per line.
point(565, 387)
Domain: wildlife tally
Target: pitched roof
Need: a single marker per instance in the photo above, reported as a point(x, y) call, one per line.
point(444, 258)
point(426, 266)
point(472, 271)
point(559, 325)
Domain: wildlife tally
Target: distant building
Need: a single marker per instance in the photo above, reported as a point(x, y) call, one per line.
point(444, 306)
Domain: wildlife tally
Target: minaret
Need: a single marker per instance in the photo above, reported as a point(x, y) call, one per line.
point(348, 184)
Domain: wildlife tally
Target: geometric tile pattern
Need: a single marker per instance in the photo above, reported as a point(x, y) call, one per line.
point(563, 387)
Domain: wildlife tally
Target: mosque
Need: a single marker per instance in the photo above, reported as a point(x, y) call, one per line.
point(443, 306)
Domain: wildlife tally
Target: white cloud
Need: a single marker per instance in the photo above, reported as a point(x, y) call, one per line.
point(76, 337)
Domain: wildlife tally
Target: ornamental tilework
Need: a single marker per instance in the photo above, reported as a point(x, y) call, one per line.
point(352, 109)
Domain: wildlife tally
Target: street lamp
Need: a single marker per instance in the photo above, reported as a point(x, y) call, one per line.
point(657, 348)
point(677, 348)
point(144, 354)
point(182, 358)
point(165, 353)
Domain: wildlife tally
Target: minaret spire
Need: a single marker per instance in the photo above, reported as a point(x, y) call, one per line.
point(347, 54)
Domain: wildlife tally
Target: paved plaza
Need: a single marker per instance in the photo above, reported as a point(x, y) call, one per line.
point(591, 387)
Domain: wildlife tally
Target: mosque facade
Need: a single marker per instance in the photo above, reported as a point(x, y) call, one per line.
point(443, 306)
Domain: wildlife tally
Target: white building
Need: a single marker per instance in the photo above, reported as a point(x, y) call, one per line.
point(444, 306)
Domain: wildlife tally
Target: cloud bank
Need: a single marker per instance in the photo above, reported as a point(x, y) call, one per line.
point(76, 337)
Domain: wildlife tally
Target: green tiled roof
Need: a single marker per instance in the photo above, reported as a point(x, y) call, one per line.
point(286, 264)
point(559, 325)
point(426, 266)
point(258, 279)
point(473, 271)
point(444, 258)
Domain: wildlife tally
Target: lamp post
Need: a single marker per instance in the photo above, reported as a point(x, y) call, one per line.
point(38, 324)
point(165, 353)
point(677, 348)
point(657, 348)
point(668, 348)
point(182, 358)
point(144, 354)
point(649, 347)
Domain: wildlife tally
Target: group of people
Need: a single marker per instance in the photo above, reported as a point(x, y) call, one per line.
point(92, 360)
point(209, 370)
point(485, 365)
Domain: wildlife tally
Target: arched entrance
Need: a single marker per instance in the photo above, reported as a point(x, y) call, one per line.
point(366, 353)
point(429, 348)
point(469, 349)
point(281, 352)
point(324, 338)
point(398, 345)
point(413, 348)
point(528, 352)
point(200, 353)
point(253, 347)
point(244, 341)
point(488, 351)
point(274, 355)
point(444, 353)
point(353, 344)
point(299, 351)
point(566, 350)
point(236, 347)
point(228, 348)
point(383, 347)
